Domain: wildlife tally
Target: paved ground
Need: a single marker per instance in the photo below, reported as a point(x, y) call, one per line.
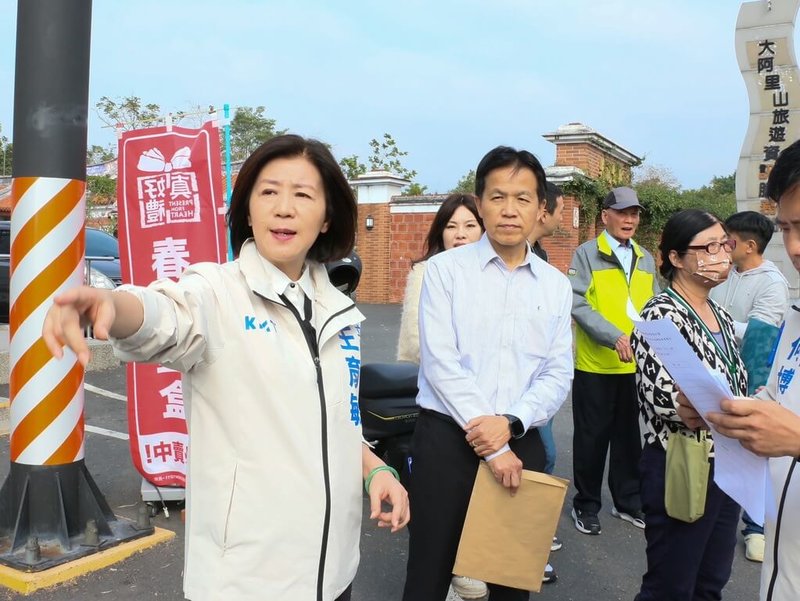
point(604, 568)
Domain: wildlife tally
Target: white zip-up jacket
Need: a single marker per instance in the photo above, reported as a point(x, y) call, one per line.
point(760, 293)
point(780, 574)
point(274, 483)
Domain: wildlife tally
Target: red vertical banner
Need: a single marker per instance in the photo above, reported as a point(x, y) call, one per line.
point(171, 214)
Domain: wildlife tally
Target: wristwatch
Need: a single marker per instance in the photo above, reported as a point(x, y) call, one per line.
point(515, 425)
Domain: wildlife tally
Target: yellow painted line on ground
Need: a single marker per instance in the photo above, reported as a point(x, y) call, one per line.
point(28, 582)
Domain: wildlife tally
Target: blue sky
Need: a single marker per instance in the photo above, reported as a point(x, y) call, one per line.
point(448, 79)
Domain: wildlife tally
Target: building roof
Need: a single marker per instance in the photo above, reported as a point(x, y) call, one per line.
point(578, 133)
point(419, 199)
point(562, 174)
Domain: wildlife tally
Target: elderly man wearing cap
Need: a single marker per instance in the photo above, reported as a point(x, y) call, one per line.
point(612, 278)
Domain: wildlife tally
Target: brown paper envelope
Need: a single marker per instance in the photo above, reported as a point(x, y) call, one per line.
point(506, 540)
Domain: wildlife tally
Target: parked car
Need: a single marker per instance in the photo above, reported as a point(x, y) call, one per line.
point(102, 254)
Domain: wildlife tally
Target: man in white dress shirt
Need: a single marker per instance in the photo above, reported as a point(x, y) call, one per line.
point(495, 364)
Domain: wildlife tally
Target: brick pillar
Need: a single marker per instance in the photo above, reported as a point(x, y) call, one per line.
point(562, 244)
point(580, 146)
point(580, 150)
point(374, 191)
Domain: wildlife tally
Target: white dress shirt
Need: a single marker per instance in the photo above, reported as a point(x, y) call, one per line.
point(624, 253)
point(494, 341)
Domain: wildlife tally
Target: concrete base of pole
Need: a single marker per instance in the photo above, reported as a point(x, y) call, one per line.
point(29, 582)
point(51, 515)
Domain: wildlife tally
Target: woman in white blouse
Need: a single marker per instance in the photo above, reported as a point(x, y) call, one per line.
point(456, 223)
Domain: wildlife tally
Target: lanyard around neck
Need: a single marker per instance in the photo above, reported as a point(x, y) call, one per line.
point(727, 352)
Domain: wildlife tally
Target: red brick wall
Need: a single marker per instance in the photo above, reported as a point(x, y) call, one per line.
point(565, 240)
point(589, 159)
point(583, 156)
point(409, 231)
point(373, 248)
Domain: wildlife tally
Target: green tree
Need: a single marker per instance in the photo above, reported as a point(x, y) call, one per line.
point(127, 112)
point(659, 200)
point(250, 128)
point(466, 185)
point(717, 197)
point(657, 175)
point(590, 194)
point(100, 189)
point(386, 156)
point(724, 184)
point(6, 154)
point(415, 190)
point(351, 167)
point(96, 155)
point(6, 157)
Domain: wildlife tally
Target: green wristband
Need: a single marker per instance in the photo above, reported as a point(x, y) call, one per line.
point(380, 468)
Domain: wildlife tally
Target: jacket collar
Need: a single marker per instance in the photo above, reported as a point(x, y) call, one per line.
point(604, 247)
point(328, 301)
point(281, 281)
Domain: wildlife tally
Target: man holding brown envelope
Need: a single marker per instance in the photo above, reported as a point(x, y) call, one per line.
point(495, 364)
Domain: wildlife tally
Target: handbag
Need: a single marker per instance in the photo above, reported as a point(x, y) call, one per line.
point(686, 477)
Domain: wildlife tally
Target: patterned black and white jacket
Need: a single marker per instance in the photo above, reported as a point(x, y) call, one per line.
point(656, 389)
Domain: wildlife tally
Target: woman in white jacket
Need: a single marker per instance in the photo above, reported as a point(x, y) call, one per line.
point(270, 356)
point(456, 223)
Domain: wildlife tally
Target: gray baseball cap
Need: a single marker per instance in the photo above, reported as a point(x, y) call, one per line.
point(621, 198)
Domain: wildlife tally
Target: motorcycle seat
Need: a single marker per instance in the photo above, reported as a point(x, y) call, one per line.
point(379, 380)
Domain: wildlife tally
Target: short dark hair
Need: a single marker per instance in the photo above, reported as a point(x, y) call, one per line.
point(434, 242)
point(551, 194)
point(678, 233)
point(505, 156)
point(785, 174)
point(340, 203)
point(752, 224)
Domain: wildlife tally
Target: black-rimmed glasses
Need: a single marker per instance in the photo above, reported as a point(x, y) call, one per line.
point(712, 248)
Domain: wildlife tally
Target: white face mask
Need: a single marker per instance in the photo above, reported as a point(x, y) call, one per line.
point(713, 270)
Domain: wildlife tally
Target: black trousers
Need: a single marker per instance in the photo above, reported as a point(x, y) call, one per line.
point(605, 413)
point(685, 562)
point(442, 475)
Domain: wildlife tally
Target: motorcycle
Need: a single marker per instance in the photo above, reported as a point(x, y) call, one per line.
point(388, 391)
point(388, 404)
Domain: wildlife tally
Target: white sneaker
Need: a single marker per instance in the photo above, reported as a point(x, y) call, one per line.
point(636, 518)
point(754, 547)
point(469, 588)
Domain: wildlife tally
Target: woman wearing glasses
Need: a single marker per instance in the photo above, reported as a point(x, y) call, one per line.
point(686, 561)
